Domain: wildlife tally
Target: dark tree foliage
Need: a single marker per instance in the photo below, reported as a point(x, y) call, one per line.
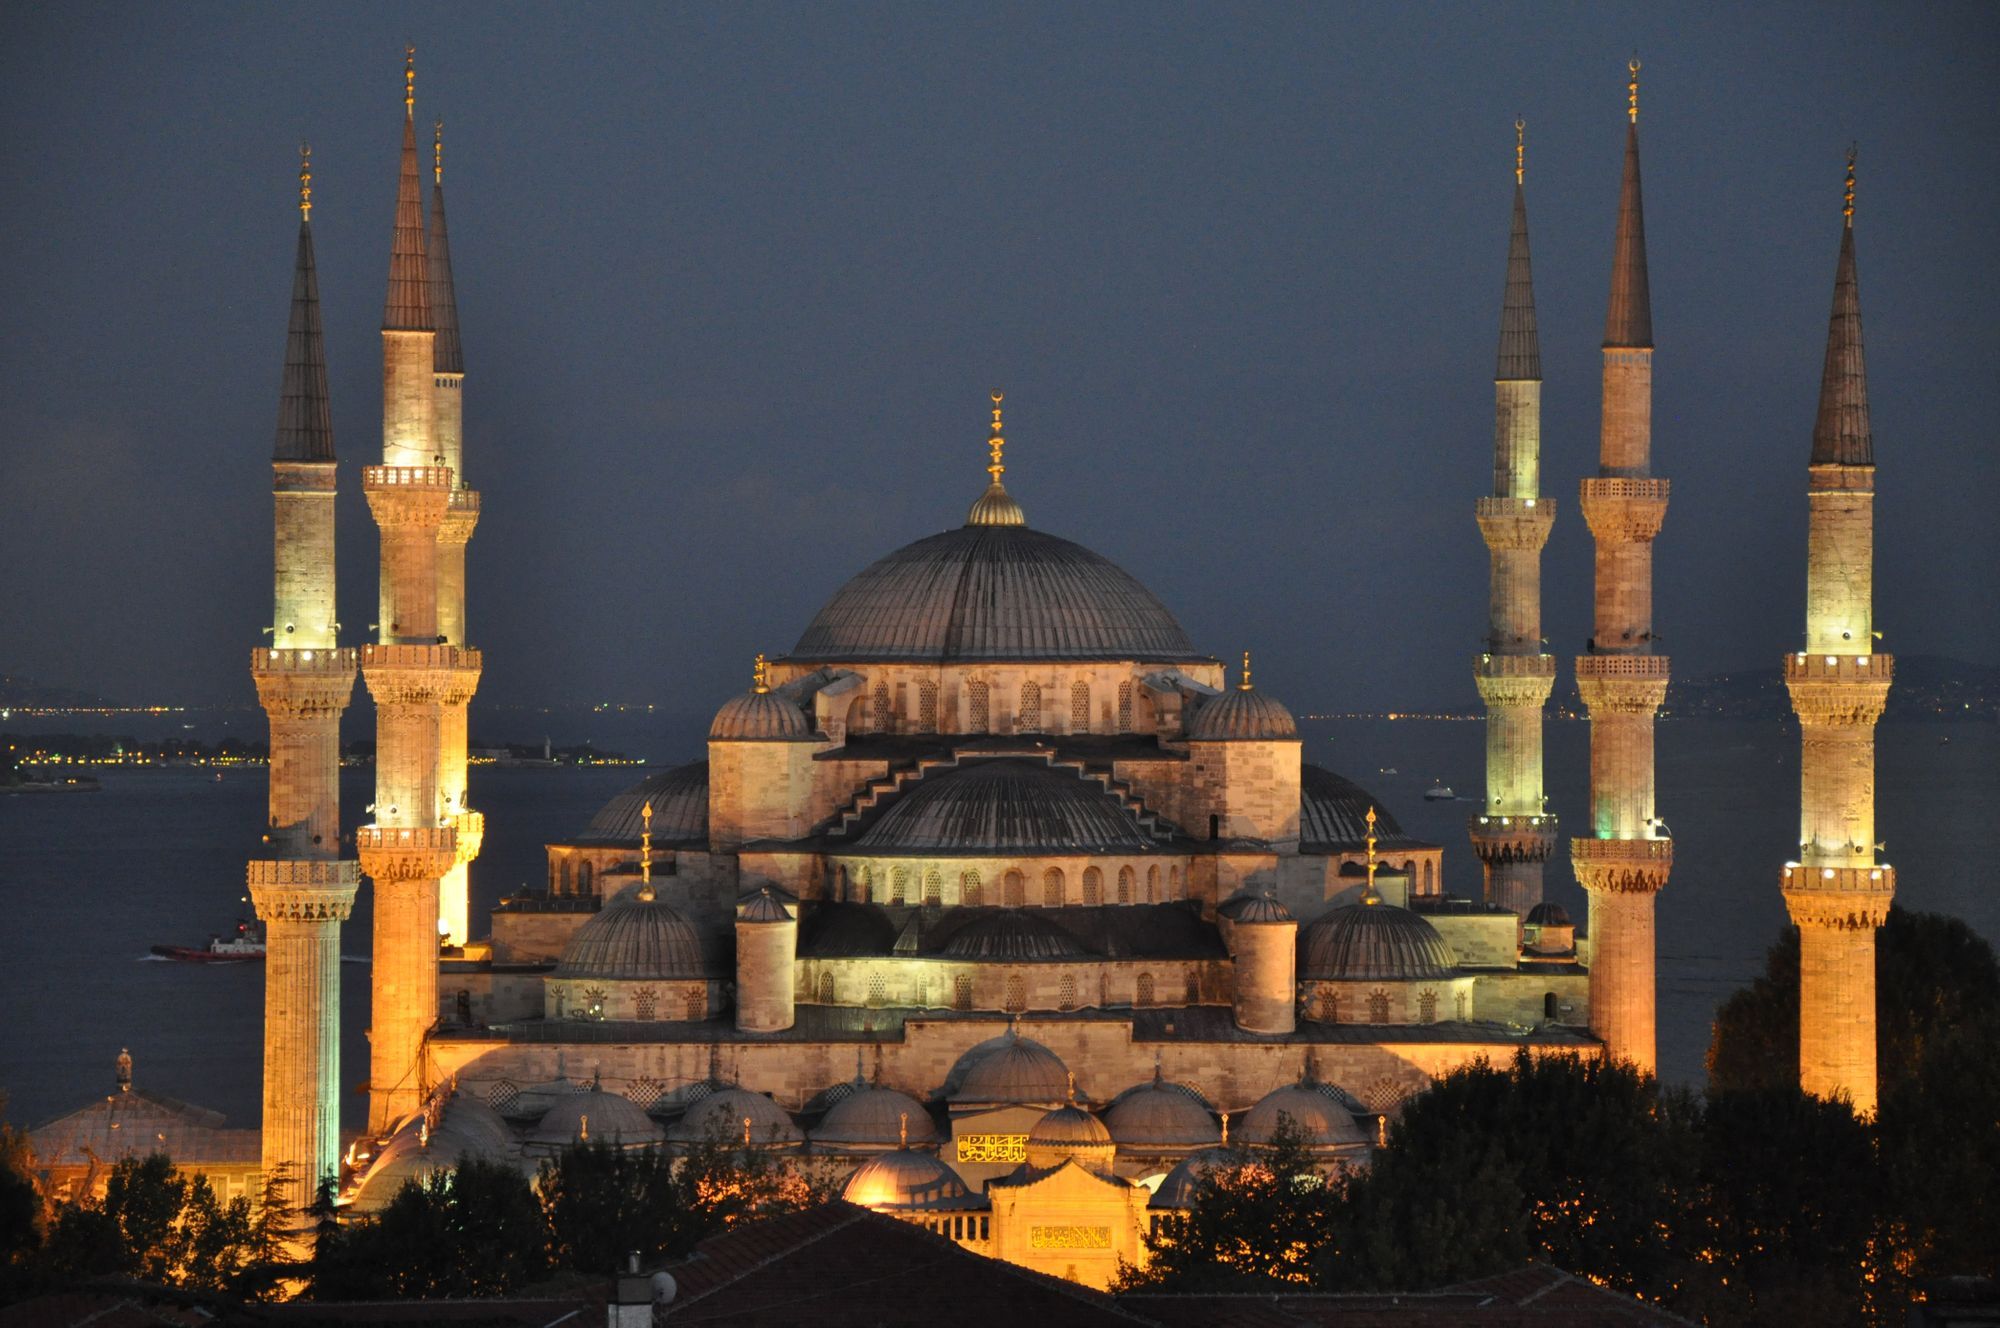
point(1259, 1225)
point(476, 1230)
point(1940, 1138)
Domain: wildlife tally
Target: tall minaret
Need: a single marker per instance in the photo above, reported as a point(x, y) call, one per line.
point(460, 517)
point(1624, 862)
point(411, 671)
point(304, 890)
point(1837, 893)
point(1512, 833)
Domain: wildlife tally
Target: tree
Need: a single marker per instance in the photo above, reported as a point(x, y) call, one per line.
point(1258, 1224)
point(475, 1230)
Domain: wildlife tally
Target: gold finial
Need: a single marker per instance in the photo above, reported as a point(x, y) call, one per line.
point(746, 1131)
point(996, 443)
point(410, 82)
point(1370, 897)
point(306, 181)
point(437, 151)
point(1632, 89)
point(760, 676)
point(902, 1129)
point(1847, 207)
point(583, 1128)
point(1070, 1091)
point(1243, 684)
point(1225, 1129)
point(646, 851)
point(1520, 149)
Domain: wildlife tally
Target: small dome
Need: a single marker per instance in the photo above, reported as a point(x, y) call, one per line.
point(1161, 1115)
point(597, 1116)
point(637, 936)
point(720, 1116)
point(1373, 941)
point(680, 809)
point(467, 1128)
point(1070, 1132)
point(875, 1117)
point(764, 906)
point(1548, 913)
point(1260, 907)
point(1242, 714)
point(1017, 1070)
point(1324, 1120)
point(759, 716)
point(1177, 1190)
point(1006, 806)
point(902, 1179)
point(1333, 813)
point(1013, 934)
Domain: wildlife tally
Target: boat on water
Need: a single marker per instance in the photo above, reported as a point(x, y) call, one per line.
point(245, 945)
point(1440, 793)
point(67, 784)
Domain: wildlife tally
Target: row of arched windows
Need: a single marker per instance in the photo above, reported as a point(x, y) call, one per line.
point(912, 884)
point(1014, 992)
point(1028, 707)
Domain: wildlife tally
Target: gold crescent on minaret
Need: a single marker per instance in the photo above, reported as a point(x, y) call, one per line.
point(410, 81)
point(305, 182)
point(1632, 89)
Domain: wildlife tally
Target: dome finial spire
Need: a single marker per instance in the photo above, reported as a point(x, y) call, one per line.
point(1243, 684)
point(646, 852)
point(306, 180)
point(1847, 204)
point(410, 82)
point(1369, 896)
point(1520, 149)
point(760, 675)
point(997, 443)
point(1632, 88)
point(437, 151)
point(903, 1129)
point(996, 507)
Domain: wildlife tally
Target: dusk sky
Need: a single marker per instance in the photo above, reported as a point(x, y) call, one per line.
point(735, 280)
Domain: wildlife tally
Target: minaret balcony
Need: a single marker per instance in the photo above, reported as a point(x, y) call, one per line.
point(1838, 691)
point(1624, 509)
point(1803, 666)
point(1514, 666)
point(1622, 866)
point(465, 501)
point(303, 890)
point(1514, 523)
point(406, 477)
point(391, 853)
point(1499, 840)
point(1841, 898)
point(421, 675)
point(289, 659)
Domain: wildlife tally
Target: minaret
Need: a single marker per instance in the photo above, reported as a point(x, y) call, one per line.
point(1625, 860)
point(304, 890)
point(1836, 892)
point(1512, 834)
point(460, 517)
point(411, 671)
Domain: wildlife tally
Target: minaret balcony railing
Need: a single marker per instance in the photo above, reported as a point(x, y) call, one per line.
point(287, 659)
point(312, 873)
point(406, 477)
point(1648, 668)
point(465, 500)
point(1626, 487)
point(456, 658)
point(1877, 879)
point(1514, 666)
point(1804, 666)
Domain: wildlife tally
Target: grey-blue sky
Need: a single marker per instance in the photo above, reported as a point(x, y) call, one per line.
point(734, 281)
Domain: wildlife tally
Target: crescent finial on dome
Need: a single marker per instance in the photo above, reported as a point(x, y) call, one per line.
point(996, 507)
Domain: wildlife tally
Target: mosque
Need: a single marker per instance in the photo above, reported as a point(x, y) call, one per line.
point(995, 897)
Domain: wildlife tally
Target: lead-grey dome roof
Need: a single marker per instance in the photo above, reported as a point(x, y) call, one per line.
point(1313, 1110)
point(1013, 934)
point(1373, 941)
point(874, 1115)
point(1161, 1115)
point(1333, 813)
point(1006, 805)
point(636, 937)
point(993, 592)
point(680, 808)
point(1015, 1070)
point(902, 1179)
point(598, 1116)
point(1242, 714)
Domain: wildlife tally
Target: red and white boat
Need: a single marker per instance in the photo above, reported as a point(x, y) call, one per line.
point(245, 946)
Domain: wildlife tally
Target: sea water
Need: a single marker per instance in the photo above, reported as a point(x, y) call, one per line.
point(90, 882)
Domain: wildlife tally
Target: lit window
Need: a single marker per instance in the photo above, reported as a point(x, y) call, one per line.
point(961, 992)
point(969, 890)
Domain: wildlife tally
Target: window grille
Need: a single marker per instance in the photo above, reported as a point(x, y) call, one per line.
point(1125, 882)
point(1329, 1006)
point(961, 992)
point(1052, 888)
point(927, 706)
point(1153, 884)
point(878, 989)
point(826, 989)
point(1427, 1008)
point(933, 888)
point(696, 1005)
point(1144, 995)
point(980, 707)
point(1030, 717)
point(1093, 886)
point(1125, 707)
point(899, 886)
point(647, 1002)
point(1067, 997)
point(1378, 1007)
point(884, 721)
point(1017, 993)
point(1079, 707)
point(969, 890)
point(1015, 889)
point(1194, 989)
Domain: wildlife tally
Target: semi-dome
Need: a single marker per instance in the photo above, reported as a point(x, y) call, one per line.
point(902, 1179)
point(637, 936)
point(1070, 1132)
point(1324, 1121)
point(1017, 1070)
point(1242, 714)
point(1255, 908)
point(1161, 1115)
point(1333, 813)
point(720, 1116)
point(991, 591)
point(597, 1117)
point(1005, 806)
point(759, 715)
point(875, 1117)
point(1013, 934)
point(1373, 940)
point(763, 906)
point(680, 809)
point(1177, 1190)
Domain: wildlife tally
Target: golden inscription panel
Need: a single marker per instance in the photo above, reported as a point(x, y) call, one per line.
point(1069, 1238)
point(993, 1148)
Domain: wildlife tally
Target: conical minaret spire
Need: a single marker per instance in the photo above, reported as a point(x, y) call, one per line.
point(443, 300)
point(301, 888)
point(408, 307)
point(1511, 833)
point(1625, 861)
point(1837, 893)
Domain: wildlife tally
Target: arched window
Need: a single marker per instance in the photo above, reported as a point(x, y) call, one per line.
point(1153, 884)
point(961, 991)
point(1549, 1007)
point(583, 877)
point(1378, 1006)
point(646, 1002)
point(555, 876)
point(826, 989)
point(1093, 886)
point(1017, 993)
point(863, 887)
point(1329, 1005)
point(979, 717)
point(884, 720)
point(697, 1005)
point(1430, 880)
point(1079, 707)
point(1014, 889)
point(840, 882)
point(1125, 707)
point(1427, 1007)
point(899, 886)
point(1458, 1006)
point(927, 706)
point(878, 989)
point(1029, 717)
point(1066, 997)
point(1214, 826)
point(1193, 992)
point(933, 888)
point(1126, 880)
point(565, 875)
point(1144, 993)
point(1173, 882)
point(969, 890)
point(1052, 888)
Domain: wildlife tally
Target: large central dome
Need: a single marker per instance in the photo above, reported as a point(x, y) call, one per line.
point(993, 592)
